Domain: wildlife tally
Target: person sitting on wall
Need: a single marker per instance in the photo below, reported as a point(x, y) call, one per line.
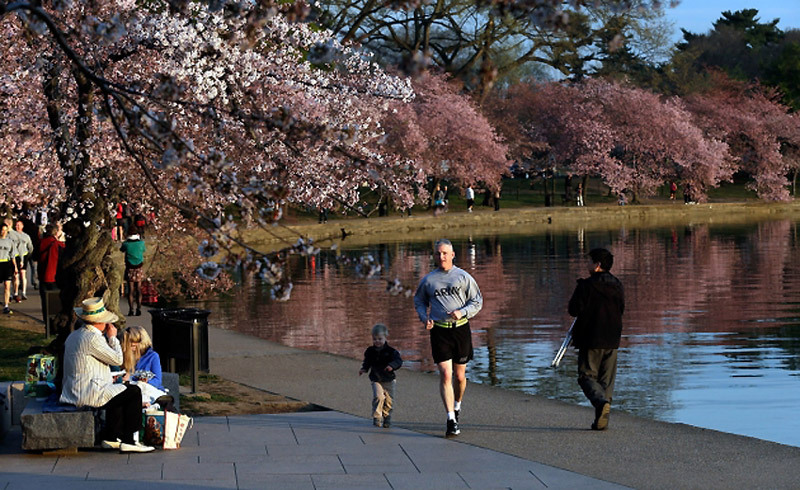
point(89, 353)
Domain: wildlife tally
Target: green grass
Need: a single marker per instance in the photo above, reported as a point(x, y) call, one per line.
point(14, 352)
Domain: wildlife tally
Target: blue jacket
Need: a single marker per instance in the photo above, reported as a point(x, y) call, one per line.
point(151, 362)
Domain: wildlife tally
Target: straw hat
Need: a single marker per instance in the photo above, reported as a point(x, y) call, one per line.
point(94, 311)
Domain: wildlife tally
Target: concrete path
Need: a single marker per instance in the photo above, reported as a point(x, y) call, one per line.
point(635, 452)
point(507, 438)
point(311, 450)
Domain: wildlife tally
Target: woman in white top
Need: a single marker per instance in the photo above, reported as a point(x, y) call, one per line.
point(89, 353)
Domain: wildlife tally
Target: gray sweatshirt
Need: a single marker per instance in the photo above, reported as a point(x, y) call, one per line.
point(7, 249)
point(446, 292)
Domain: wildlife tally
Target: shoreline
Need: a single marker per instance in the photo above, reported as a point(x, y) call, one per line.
point(366, 231)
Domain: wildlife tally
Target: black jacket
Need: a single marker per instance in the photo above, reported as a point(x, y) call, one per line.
point(598, 302)
point(376, 360)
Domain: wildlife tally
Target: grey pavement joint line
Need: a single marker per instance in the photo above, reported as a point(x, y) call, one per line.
point(409, 458)
point(296, 440)
point(236, 474)
point(463, 479)
point(342, 463)
point(540, 480)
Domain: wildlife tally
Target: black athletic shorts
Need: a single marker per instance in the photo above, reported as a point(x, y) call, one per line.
point(451, 343)
point(6, 271)
point(24, 260)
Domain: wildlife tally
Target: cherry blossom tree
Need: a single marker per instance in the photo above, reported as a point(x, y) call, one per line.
point(760, 130)
point(632, 138)
point(447, 135)
point(190, 111)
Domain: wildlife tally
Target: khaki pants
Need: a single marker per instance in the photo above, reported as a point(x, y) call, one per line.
point(382, 398)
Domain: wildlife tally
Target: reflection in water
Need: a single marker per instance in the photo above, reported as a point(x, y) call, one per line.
point(712, 324)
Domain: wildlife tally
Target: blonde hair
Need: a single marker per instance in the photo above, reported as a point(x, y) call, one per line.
point(380, 329)
point(134, 334)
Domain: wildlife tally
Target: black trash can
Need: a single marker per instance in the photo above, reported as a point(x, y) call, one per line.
point(172, 337)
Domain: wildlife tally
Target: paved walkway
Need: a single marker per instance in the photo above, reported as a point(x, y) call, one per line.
point(509, 439)
point(312, 450)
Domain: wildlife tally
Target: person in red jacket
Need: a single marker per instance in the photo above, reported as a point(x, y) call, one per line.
point(49, 251)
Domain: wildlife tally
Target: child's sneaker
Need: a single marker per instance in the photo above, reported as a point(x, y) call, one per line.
point(7, 310)
point(376, 422)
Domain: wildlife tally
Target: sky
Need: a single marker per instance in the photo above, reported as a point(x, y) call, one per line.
point(698, 15)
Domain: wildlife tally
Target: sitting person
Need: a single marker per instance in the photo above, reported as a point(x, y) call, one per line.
point(140, 361)
point(89, 353)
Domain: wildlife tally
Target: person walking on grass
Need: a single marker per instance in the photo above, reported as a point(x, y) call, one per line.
point(598, 303)
point(446, 299)
point(381, 361)
point(470, 195)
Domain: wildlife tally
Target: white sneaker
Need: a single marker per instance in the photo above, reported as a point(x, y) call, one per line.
point(110, 444)
point(137, 447)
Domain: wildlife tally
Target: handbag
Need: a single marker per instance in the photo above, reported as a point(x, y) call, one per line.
point(165, 430)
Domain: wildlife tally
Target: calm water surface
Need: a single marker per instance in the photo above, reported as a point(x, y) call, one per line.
point(711, 329)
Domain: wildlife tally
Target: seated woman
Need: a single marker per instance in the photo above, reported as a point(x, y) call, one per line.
point(140, 358)
point(89, 353)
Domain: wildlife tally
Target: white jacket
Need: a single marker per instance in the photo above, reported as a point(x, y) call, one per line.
point(88, 358)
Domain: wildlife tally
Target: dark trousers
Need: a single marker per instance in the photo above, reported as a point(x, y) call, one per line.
point(123, 415)
point(597, 370)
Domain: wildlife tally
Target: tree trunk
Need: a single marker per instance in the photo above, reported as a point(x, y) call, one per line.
point(86, 266)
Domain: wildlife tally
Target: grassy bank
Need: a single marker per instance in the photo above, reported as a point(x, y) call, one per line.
point(531, 220)
point(14, 351)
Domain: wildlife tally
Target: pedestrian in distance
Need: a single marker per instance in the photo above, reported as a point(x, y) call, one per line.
point(381, 361)
point(598, 302)
point(8, 265)
point(445, 300)
point(470, 195)
point(438, 200)
point(16, 238)
point(673, 189)
point(25, 255)
point(134, 248)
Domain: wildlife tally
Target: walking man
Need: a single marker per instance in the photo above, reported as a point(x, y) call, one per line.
point(446, 299)
point(8, 266)
point(598, 303)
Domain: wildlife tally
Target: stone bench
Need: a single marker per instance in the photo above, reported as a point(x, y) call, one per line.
point(44, 431)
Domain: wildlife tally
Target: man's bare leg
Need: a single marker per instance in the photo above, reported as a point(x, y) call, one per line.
point(446, 384)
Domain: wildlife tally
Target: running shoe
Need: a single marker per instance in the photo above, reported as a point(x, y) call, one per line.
point(458, 412)
point(7, 310)
point(452, 429)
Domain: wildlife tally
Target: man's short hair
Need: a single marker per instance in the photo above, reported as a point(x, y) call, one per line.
point(442, 241)
point(380, 329)
point(603, 257)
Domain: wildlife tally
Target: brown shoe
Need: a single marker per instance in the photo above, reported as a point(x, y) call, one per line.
point(601, 417)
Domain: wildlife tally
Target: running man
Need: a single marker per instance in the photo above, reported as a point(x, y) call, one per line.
point(453, 297)
point(8, 266)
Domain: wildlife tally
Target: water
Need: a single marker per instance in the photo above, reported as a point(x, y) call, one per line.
point(711, 328)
